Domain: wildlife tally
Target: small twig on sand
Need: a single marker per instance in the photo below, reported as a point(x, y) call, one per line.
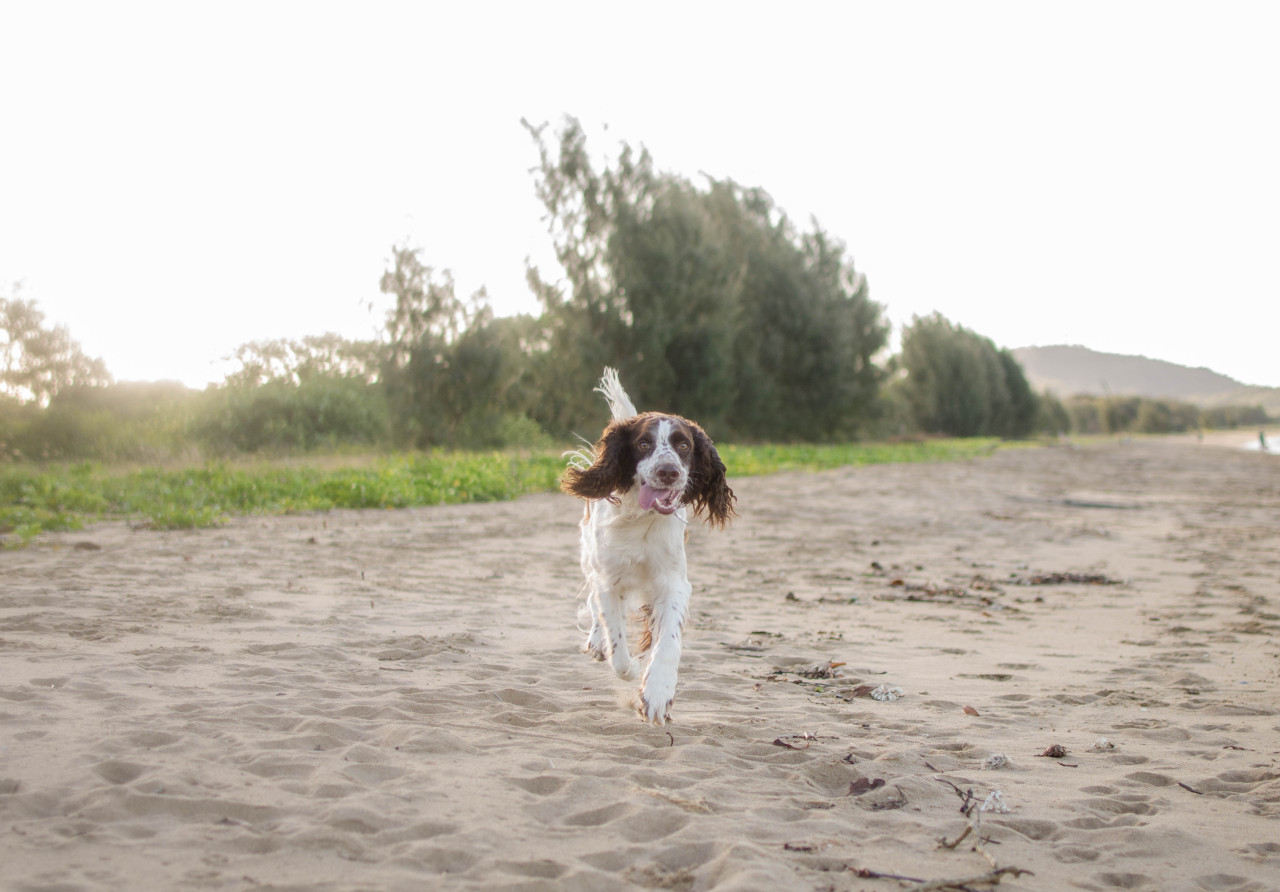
point(959, 839)
point(778, 741)
point(807, 737)
point(986, 879)
point(967, 799)
point(697, 805)
point(962, 884)
point(970, 807)
point(866, 873)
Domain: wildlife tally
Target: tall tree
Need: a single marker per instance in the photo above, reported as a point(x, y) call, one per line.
point(314, 356)
point(453, 374)
point(1024, 412)
point(36, 361)
point(708, 300)
point(958, 383)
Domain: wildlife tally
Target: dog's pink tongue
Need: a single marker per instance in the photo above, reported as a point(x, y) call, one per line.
point(648, 495)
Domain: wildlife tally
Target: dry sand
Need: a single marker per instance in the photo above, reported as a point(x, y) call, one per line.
point(395, 700)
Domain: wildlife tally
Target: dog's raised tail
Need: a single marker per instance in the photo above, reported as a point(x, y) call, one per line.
point(620, 405)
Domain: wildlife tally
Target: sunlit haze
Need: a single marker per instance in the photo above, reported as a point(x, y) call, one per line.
point(178, 179)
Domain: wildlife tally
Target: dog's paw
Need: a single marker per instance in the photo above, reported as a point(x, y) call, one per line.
point(627, 671)
point(655, 710)
point(657, 691)
point(595, 643)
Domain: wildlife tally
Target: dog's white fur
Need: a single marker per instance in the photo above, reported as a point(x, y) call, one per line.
point(634, 559)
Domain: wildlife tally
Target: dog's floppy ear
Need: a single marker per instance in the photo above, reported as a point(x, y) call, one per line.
point(708, 487)
point(614, 468)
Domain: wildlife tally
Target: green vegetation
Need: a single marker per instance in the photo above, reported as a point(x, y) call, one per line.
point(706, 297)
point(34, 499)
point(958, 383)
point(1089, 415)
point(36, 361)
point(754, 461)
point(708, 300)
point(62, 497)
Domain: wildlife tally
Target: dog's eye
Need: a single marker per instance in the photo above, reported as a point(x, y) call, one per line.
point(683, 446)
point(644, 445)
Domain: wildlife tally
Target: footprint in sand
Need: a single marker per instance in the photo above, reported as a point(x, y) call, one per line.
point(539, 870)
point(1259, 787)
point(1122, 804)
point(1125, 881)
point(595, 817)
point(116, 772)
point(540, 786)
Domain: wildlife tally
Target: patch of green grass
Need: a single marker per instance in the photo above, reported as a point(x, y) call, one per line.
point(40, 498)
point(751, 461)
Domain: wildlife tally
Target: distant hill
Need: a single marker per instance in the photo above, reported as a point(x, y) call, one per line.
point(1071, 370)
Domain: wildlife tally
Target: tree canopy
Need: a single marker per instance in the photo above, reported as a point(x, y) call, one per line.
point(38, 361)
point(958, 383)
point(708, 300)
point(452, 373)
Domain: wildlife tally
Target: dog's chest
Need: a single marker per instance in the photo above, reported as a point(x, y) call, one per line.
point(646, 546)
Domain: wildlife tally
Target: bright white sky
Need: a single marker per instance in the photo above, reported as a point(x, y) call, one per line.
point(179, 178)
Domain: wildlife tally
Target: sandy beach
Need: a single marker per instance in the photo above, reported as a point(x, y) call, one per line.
point(396, 700)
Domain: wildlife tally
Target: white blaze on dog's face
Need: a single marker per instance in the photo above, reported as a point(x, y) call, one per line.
point(664, 450)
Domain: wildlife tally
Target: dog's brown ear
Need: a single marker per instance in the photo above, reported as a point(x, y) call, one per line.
point(708, 484)
point(614, 468)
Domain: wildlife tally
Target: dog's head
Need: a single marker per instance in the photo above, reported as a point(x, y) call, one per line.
point(670, 459)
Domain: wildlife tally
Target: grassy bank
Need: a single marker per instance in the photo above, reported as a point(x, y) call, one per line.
point(39, 498)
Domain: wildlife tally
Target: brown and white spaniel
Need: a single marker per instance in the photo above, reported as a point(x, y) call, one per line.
point(648, 473)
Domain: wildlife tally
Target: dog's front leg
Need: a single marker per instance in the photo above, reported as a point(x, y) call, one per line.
point(595, 643)
point(658, 687)
point(612, 620)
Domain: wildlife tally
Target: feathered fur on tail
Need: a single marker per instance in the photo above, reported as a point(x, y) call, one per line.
point(620, 405)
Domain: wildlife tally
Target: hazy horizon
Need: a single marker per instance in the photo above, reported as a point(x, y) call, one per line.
point(181, 180)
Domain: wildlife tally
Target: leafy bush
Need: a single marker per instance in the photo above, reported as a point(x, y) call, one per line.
point(280, 417)
point(1234, 416)
point(118, 422)
point(959, 384)
point(1143, 415)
